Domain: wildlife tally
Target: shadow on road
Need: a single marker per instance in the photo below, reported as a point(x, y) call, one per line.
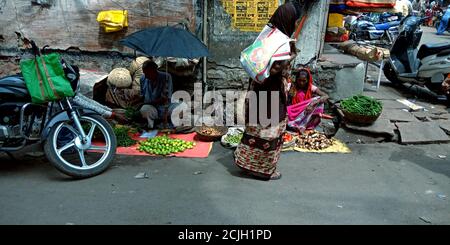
point(419, 157)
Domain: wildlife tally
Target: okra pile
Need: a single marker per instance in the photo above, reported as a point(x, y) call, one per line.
point(362, 105)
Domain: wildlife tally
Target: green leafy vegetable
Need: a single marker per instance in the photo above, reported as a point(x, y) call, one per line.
point(362, 105)
point(123, 137)
point(234, 138)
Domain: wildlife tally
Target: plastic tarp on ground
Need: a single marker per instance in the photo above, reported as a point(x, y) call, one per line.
point(201, 149)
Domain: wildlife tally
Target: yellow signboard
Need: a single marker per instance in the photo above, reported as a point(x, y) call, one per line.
point(250, 15)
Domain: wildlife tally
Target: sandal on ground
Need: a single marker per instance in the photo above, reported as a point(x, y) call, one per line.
point(255, 175)
point(276, 175)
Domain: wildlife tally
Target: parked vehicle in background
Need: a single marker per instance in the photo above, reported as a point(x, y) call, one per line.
point(368, 28)
point(426, 66)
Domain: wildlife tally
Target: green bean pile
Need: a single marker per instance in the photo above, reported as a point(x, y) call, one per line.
point(362, 105)
point(123, 137)
point(132, 114)
point(163, 145)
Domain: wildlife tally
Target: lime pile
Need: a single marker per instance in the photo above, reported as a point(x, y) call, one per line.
point(163, 145)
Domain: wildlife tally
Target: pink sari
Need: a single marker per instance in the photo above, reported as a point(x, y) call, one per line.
point(300, 119)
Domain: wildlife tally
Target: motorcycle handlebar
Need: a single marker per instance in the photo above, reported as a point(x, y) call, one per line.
point(35, 48)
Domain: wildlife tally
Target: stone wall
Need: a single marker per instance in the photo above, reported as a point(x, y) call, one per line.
point(66, 24)
point(70, 28)
point(72, 25)
point(339, 75)
point(225, 45)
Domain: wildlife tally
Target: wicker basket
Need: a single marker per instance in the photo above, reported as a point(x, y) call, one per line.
point(120, 77)
point(359, 119)
point(203, 137)
point(137, 64)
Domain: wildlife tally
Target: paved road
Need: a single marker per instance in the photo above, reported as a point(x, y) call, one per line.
point(429, 36)
point(376, 184)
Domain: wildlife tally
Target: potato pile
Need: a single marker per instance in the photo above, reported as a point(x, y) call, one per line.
point(210, 131)
point(314, 141)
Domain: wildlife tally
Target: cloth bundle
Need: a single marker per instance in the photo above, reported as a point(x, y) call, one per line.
point(370, 3)
point(271, 45)
point(113, 20)
point(337, 6)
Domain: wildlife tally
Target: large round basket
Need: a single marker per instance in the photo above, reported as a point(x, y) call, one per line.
point(120, 77)
point(359, 119)
point(210, 137)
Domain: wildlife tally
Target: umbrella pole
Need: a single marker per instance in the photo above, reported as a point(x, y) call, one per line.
point(166, 107)
point(205, 40)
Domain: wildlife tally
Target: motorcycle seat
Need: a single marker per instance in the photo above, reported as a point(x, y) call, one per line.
point(382, 27)
point(387, 25)
point(394, 23)
point(14, 86)
point(430, 49)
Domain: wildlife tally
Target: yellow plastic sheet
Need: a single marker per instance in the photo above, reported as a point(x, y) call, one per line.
point(337, 147)
point(113, 20)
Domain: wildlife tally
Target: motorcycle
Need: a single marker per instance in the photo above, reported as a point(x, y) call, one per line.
point(77, 141)
point(382, 34)
point(425, 66)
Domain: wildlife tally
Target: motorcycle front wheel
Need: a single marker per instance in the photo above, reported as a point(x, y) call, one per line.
point(389, 73)
point(66, 151)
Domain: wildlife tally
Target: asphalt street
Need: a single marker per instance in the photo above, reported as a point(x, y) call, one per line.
point(375, 184)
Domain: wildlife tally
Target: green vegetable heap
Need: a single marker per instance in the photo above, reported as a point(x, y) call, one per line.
point(132, 114)
point(123, 138)
point(163, 145)
point(234, 138)
point(362, 105)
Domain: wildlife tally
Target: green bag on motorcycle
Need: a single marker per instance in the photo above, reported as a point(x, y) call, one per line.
point(45, 78)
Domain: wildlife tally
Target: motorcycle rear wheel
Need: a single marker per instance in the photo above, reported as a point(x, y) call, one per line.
point(73, 157)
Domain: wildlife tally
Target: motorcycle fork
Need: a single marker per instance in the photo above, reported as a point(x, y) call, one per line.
point(74, 116)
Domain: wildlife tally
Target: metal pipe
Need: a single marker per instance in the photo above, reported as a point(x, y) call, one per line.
point(6, 149)
point(326, 5)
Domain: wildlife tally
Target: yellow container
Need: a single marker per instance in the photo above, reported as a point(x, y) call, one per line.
point(335, 20)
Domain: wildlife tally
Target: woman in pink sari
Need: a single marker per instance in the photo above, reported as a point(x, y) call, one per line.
point(306, 102)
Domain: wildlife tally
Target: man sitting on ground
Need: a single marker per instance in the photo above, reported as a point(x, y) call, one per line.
point(156, 89)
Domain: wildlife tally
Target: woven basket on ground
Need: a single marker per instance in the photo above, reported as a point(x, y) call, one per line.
point(120, 77)
point(201, 135)
point(359, 119)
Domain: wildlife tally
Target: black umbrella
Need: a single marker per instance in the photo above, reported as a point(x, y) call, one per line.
point(167, 41)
